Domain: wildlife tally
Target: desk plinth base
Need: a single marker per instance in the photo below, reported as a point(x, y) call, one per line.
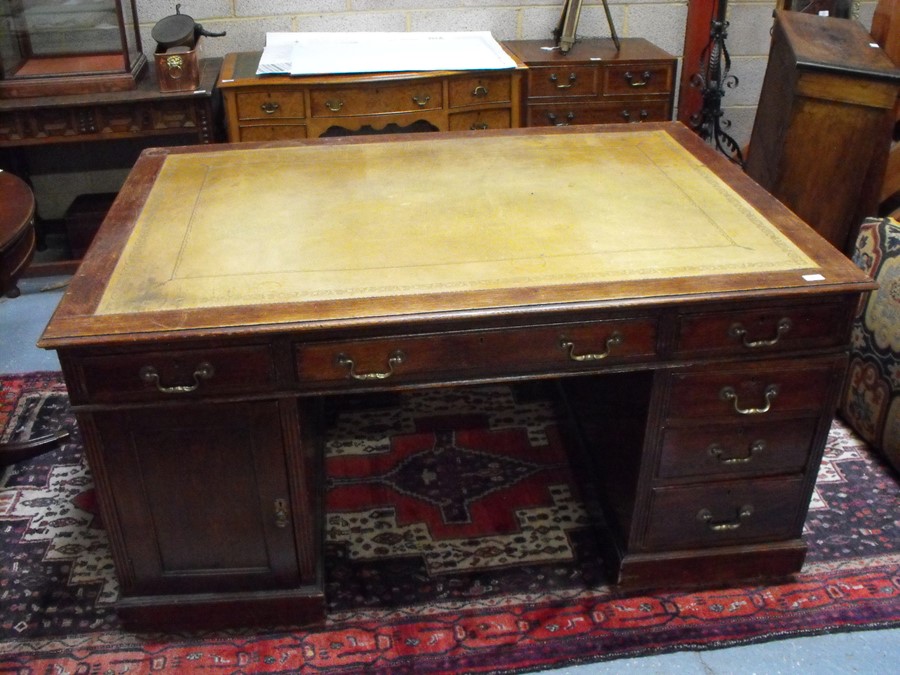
point(710, 567)
point(303, 606)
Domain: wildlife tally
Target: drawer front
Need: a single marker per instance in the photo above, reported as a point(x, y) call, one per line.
point(177, 375)
point(769, 330)
point(718, 450)
point(270, 105)
point(598, 113)
point(480, 119)
point(467, 91)
point(371, 100)
point(723, 514)
point(272, 132)
point(443, 357)
point(560, 81)
point(638, 79)
point(766, 391)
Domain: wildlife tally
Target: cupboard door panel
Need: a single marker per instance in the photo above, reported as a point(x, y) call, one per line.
point(210, 509)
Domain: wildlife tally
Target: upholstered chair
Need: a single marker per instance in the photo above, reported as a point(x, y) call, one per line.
point(871, 401)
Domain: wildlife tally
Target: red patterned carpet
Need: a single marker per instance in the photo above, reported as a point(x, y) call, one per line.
point(502, 576)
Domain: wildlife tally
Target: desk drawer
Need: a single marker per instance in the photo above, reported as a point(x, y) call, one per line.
point(638, 79)
point(181, 374)
point(562, 81)
point(768, 330)
point(272, 132)
point(270, 105)
point(443, 357)
point(755, 392)
point(717, 450)
point(480, 119)
point(562, 114)
point(371, 100)
point(722, 514)
point(467, 91)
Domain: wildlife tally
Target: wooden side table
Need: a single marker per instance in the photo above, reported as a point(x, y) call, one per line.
point(17, 240)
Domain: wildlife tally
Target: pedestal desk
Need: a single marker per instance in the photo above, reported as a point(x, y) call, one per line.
point(697, 328)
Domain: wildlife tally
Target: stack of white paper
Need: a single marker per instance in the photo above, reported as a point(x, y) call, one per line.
point(337, 53)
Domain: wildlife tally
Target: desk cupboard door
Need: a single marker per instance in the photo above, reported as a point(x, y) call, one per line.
point(201, 496)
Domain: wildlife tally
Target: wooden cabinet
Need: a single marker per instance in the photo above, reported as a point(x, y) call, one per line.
point(219, 530)
point(594, 83)
point(822, 132)
point(283, 108)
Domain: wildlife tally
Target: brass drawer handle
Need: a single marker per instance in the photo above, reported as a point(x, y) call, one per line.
point(569, 117)
point(269, 107)
point(555, 80)
point(705, 516)
point(729, 394)
point(334, 104)
point(395, 359)
point(627, 115)
point(204, 371)
point(421, 101)
point(738, 332)
point(612, 341)
point(281, 513)
point(645, 78)
point(715, 450)
point(478, 126)
point(480, 90)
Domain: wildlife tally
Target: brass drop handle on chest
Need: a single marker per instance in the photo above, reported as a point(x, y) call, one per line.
point(729, 394)
point(395, 359)
point(626, 114)
point(554, 78)
point(203, 371)
point(421, 101)
point(612, 341)
point(552, 117)
point(645, 78)
point(479, 126)
point(480, 91)
point(334, 104)
point(269, 107)
point(716, 451)
point(705, 516)
point(738, 332)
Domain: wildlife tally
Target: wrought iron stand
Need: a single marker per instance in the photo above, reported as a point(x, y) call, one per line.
point(714, 79)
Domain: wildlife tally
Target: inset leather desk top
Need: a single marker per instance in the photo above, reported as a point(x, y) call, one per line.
point(386, 227)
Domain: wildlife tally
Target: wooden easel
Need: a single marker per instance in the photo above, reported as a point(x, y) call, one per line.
point(568, 23)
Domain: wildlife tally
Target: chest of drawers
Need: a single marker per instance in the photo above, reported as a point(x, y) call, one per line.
point(594, 83)
point(288, 108)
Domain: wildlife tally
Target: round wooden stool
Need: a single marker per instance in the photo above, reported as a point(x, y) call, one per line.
point(17, 238)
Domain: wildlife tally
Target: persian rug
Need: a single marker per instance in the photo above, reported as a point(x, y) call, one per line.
point(503, 576)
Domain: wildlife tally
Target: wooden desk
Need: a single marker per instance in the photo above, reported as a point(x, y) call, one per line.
point(230, 288)
point(277, 107)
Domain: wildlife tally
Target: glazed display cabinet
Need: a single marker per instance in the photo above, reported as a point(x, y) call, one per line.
point(61, 47)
